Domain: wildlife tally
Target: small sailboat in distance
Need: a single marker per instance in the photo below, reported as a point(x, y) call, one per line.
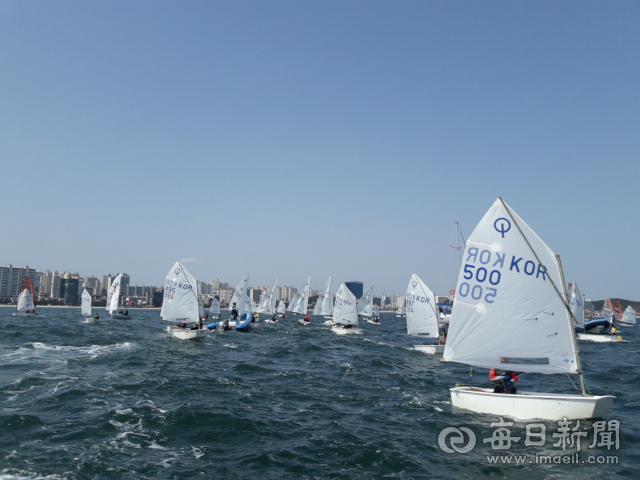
point(400, 311)
point(180, 304)
point(511, 313)
point(214, 309)
point(113, 300)
point(281, 309)
point(365, 304)
point(85, 306)
point(268, 303)
point(422, 315)
point(628, 317)
point(26, 305)
point(345, 313)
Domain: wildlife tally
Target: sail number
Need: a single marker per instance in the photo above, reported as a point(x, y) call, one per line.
point(480, 275)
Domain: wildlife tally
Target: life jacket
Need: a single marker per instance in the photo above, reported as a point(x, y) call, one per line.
point(495, 372)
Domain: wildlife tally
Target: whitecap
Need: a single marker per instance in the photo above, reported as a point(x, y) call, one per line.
point(126, 411)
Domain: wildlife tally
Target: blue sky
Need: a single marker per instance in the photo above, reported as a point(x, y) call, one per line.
point(291, 138)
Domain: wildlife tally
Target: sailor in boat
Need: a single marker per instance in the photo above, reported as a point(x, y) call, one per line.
point(273, 318)
point(442, 337)
point(219, 314)
point(126, 312)
point(182, 324)
point(306, 318)
point(503, 380)
point(234, 312)
point(96, 316)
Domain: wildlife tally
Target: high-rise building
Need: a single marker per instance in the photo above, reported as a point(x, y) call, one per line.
point(46, 279)
point(69, 290)
point(356, 288)
point(286, 293)
point(10, 279)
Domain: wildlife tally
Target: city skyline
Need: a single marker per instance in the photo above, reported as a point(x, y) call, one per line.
point(298, 139)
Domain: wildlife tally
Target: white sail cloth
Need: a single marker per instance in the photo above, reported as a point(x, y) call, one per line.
point(401, 307)
point(85, 303)
point(422, 312)
point(214, 309)
point(281, 307)
point(507, 313)
point(241, 297)
point(327, 300)
point(344, 310)
point(628, 317)
point(180, 300)
point(576, 304)
point(25, 301)
point(268, 301)
point(365, 304)
point(113, 298)
point(303, 301)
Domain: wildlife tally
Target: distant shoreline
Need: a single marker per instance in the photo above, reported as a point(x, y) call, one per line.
point(78, 306)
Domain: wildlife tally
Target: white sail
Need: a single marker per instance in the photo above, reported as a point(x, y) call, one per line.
point(281, 307)
point(253, 306)
point(365, 304)
point(268, 301)
point(507, 313)
point(345, 311)
point(25, 301)
point(200, 308)
point(422, 311)
point(576, 304)
point(317, 308)
point(294, 302)
point(303, 302)
point(628, 317)
point(401, 307)
point(180, 300)
point(327, 300)
point(376, 311)
point(240, 297)
point(214, 309)
point(114, 295)
point(85, 303)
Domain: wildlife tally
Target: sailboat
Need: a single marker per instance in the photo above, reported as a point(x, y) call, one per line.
point(214, 309)
point(180, 303)
point(375, 316)
point(85, 306)
point(113, 299)
point(281, 309)
point(26, 306)
point(303, 304)
point(365, 304)
point(628, 317)
point(345, 313)
point(268, 303)
point(422, 314)
point(510, 314)
point(576, 305)
point(400, 311)
point(293, 303)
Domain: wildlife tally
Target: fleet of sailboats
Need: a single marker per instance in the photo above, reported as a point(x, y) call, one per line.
point(511, 313)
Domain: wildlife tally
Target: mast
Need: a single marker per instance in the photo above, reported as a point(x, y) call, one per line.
point(458, 246)
point(573, 337)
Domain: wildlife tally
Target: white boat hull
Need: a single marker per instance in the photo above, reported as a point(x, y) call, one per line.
point(89, 320)
point(530, 405)
point(444, 319)
point(340, 330)
point(187, 334)
point(120, 316)
point(598, 338)
point(430, 349)
point(328, 322)
point(303, 322)
point(23, 314)
point(373, 323)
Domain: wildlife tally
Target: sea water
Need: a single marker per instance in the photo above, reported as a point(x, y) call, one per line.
point(121, 399)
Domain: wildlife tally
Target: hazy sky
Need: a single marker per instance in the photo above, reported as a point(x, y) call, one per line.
point(293, 138)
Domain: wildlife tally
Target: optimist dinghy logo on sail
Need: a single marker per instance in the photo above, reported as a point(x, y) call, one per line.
point(505, 226)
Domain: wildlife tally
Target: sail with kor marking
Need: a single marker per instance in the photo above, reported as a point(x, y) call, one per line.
point(422, 311)
point(180, 300)
point(345, 310)
point(508, 311)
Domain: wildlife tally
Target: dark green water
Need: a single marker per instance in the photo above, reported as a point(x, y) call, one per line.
point(122, 400)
